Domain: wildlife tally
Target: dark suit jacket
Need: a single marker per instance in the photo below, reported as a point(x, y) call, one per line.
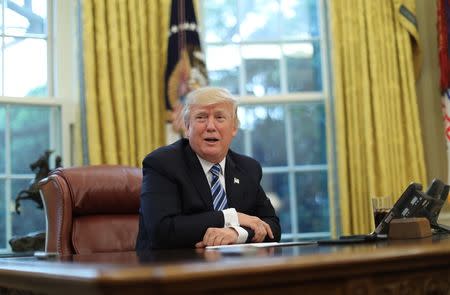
point(176, 202)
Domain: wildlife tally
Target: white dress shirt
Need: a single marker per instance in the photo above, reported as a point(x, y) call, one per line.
point(230, 215)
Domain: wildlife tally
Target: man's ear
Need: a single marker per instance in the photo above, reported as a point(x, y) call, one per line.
point(235, 130)
point(187, 130)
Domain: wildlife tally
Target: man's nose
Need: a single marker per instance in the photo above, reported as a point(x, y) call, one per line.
point(210, 125)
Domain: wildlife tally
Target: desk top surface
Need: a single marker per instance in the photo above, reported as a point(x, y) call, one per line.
point(186, 264)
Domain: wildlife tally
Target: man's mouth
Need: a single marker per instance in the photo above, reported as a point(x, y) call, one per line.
point(211, 139)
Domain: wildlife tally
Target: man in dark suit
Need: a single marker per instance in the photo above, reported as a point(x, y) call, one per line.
point(196, 192)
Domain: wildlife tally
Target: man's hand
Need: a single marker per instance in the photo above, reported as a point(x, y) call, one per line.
point(260, 227)
point(218, 236)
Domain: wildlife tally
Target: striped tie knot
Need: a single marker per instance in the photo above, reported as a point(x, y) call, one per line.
point(215, 169)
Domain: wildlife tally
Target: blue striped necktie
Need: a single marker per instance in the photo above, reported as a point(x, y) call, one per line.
point(218, 193)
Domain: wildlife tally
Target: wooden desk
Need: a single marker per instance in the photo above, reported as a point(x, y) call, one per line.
point(404, 267)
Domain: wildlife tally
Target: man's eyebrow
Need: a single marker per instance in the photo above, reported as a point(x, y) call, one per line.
point(221, 111)
point(200, 112)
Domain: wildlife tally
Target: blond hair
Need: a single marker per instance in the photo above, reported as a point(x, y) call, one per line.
point(207, 96)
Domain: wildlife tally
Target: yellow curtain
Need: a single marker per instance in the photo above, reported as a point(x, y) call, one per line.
point(124, 48)
point(379, 142)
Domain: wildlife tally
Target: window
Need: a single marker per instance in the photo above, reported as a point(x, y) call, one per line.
point(30, 110)
point(272, 55)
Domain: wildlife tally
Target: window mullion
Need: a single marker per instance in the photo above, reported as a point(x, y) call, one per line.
point(291, 164)
point(50, 49)
point(283, 71)
point(323, 50)
point(8, 172)
point(242, 73)
point(55, 131)
point(283, 67)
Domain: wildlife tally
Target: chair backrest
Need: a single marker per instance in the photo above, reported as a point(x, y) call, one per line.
point(91, 209)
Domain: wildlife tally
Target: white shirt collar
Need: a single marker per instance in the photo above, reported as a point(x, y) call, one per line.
point(206, 165)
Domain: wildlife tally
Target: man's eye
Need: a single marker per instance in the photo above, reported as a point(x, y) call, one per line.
point(200, 118)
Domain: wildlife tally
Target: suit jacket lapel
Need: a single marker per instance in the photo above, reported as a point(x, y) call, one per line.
point(198, 177)
point(234, 188)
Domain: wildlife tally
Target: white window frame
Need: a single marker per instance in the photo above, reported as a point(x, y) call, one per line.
point(63, 88)
point(323, 96)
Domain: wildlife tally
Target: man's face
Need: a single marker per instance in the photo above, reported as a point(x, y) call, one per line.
point(211, 130)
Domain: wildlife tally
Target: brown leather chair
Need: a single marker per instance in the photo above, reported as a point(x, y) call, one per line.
point(91, 209)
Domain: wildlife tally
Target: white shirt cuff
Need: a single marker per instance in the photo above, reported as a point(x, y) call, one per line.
point(242, 234)
point(230, 217)
point(231, 220)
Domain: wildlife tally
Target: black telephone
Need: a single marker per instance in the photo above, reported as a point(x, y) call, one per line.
point(412, 203)
point(409, 203)
point(415, 203)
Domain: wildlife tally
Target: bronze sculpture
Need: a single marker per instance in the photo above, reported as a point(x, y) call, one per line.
point(42, 169)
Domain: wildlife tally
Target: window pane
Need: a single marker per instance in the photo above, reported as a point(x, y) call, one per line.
point(304, 68)
point(2, 215)
point(299, 19)
point(276, 186)
point(2, 139)
point(223, 67)
point(309, 134)
point(266, 124)
point(259, 20)
point(221, 25)
point(312, 201)
point(31, 219)
point(30, 136)
point(1, 18)
point(262, 69)
point(26, 17)
point(25, 67)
